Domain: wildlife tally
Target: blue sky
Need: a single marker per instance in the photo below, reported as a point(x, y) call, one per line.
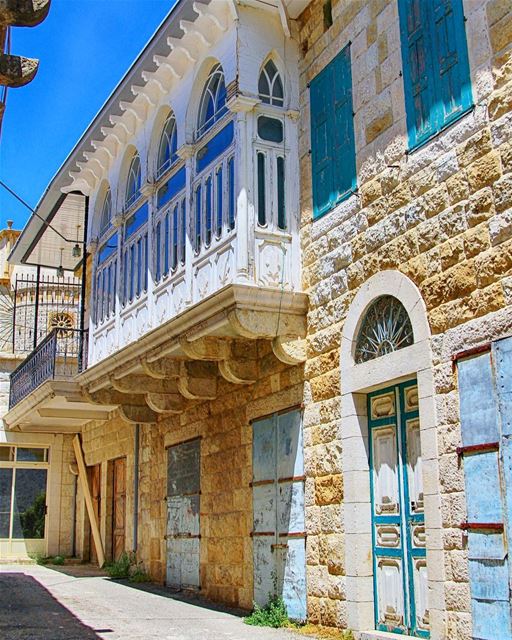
point(84, 48)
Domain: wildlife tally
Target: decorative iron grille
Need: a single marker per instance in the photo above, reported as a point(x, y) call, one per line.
point(58, 355)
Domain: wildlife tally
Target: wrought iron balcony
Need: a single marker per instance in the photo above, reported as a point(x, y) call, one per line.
point(61, 355)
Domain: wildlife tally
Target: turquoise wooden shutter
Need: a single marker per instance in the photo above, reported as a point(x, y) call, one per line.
point(344, 154)
point(452, 60)
point(435, 65)
point(332, 134)
point(418, 75)
point(321, 141)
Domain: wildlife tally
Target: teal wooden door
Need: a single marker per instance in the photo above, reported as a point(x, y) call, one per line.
point(398, 516)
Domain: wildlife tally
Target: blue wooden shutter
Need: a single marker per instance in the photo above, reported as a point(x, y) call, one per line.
point(487, 545)
point(321, 141)
point(418, 75)
point(344, 154)
point(452, 68)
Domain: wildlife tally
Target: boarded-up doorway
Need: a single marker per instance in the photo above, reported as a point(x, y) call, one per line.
point(183, 532)
point(94, 475)
point(118, 507)
point(279, 540)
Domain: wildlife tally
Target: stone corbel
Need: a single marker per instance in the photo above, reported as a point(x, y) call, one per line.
point(293, 114)
point(148, 189)
point(289, 350)
point(137, 414)
point(133, 384)
point(253, 324)
point(161, 369)
point(118, 220)
point(166, 402)
point(206, 348)
point(193, 386)
point(92, 246)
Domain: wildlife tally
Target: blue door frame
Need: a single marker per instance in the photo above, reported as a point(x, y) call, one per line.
point(398, 528)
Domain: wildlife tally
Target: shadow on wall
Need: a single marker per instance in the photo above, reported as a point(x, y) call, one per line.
point(30, 611)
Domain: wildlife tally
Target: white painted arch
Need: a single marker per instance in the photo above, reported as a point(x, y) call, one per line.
point(357, 380)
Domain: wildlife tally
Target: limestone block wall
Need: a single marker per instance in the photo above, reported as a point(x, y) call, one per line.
point(223, 424)
point(441, 215)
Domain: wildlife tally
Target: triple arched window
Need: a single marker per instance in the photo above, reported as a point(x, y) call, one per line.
point(270, 85)
point(133, 184)
point(167, 150)
point(213, 101)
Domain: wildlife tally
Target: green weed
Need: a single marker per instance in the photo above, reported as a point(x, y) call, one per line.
point(120, 568)
point(273, 614)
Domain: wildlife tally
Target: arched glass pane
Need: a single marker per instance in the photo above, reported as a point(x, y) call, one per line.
point(168, 145)
point(270, 85)
point(213, 101)
point(106, 213)
point(386, 328)
point(134, 181)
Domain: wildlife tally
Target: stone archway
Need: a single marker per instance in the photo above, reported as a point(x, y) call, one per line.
point(357, 380)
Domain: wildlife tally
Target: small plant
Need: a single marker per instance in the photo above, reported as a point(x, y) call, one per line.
point(39, 558)
point(273, 614)
point(325, 633)
point(58, 560)
point(120, 568)
point(137, 575)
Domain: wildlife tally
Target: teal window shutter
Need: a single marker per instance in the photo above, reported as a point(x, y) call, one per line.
point(344, 147)
point(332, 134)
point(436, 69)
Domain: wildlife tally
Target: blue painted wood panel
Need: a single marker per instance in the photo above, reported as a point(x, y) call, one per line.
point(333, 158)
point(171, 188)
point(481, 406)
point(215, 147)
point(279, 544)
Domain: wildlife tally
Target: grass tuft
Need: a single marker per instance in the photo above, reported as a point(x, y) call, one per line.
point(273, 614)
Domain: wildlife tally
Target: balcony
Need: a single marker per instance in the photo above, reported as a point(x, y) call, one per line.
point(44, 396)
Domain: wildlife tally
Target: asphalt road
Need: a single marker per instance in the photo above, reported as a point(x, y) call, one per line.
point(78, 603)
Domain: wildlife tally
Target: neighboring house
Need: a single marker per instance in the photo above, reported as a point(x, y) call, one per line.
point(36, 308)
point(298, 302)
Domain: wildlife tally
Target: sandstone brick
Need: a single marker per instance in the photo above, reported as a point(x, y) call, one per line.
point(481, 206)
point(500, 102)
point(503, 193)
point(475, 147)
point(501, 33)
point(378, 125)
point(329, 489)
point(458, 188)
point(496, 10)
point(476, 240)
point(484, 171)
point(370, 191)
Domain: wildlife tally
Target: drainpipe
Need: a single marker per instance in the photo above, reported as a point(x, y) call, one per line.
point(82, 359)
point(136, 488)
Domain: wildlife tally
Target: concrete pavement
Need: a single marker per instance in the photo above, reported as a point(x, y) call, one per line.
point(78, 603)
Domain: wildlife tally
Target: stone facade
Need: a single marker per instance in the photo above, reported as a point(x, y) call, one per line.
point(226, 556)
point(441, 216)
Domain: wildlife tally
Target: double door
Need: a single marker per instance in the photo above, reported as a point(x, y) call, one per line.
point(398, 515)
point(279, 541)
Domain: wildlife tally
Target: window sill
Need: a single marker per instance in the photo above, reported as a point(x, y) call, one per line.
point(448, 125)
point(343, 198)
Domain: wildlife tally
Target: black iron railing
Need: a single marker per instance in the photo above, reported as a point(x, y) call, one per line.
point(62, 354)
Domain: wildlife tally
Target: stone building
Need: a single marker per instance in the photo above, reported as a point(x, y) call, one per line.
point(298, 311)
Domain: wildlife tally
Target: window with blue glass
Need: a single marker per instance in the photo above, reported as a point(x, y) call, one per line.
point(436, 70)
point(167, 150)
point(333, 155)
point(133, 184)
point(106, 213)
point(213, 101)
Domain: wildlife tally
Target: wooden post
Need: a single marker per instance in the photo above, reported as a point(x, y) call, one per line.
point(82, 474)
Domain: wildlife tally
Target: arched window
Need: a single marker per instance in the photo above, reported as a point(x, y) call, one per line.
point(106, 213)
point(213, 101)
point(133, 183)
point(168, 145)
point(270, 86)
point(386, 328)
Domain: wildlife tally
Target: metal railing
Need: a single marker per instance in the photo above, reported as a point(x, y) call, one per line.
point(62, 354)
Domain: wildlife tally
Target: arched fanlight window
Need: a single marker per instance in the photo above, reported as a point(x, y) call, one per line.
point(106, 213)
point(133, 183)
point(168, 145)
point(213, 101)
point(270, 86)
point(386, 328)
